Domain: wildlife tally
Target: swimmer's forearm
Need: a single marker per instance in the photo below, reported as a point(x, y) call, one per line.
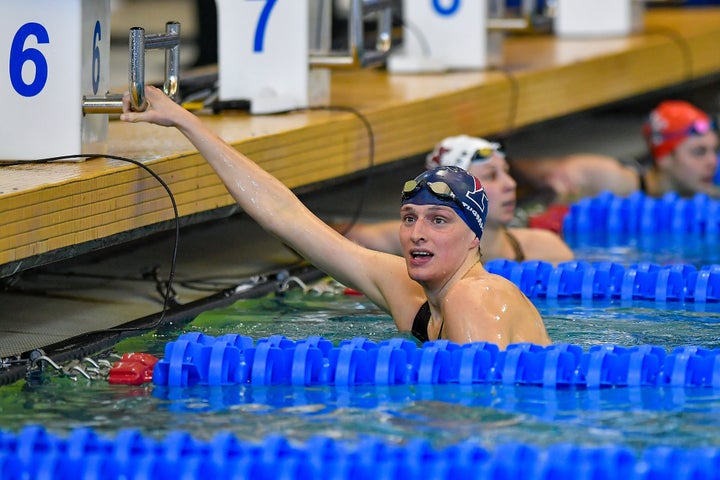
point(269, 201)
point(259, 194)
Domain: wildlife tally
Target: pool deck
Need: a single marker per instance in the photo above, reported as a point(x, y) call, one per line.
point(60, 211)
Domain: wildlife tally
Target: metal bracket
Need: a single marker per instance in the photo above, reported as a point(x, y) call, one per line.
point(357, 56)
point(139, 43)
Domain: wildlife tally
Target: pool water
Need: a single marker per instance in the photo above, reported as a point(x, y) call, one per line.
point(637, 323)
point(638, 417)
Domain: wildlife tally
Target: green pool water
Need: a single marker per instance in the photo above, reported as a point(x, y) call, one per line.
point(443, 414)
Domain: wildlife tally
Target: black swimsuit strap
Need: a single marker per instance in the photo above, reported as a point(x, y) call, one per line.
point(643, 183)
point(519, 254)
point(420, 323)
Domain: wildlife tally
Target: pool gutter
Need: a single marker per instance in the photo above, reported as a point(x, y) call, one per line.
point(90, 343)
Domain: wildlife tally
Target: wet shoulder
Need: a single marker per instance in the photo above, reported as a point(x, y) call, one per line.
point(485, 285)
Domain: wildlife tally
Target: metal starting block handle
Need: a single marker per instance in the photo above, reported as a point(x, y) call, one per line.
point(139, 43)
point(357, 56)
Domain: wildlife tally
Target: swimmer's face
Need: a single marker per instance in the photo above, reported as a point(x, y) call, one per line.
point(435, 242)
point(691, 167)
point(500, 188)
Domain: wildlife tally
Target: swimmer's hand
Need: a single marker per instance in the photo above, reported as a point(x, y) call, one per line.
point(161, 109)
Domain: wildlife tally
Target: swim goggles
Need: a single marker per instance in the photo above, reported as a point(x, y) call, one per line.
point(440, 189)
point(484, 153)
point(698, 127)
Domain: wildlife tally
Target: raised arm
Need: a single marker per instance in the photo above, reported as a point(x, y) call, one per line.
point(274, 206)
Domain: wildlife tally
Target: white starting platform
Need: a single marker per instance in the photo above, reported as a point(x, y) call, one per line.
point(276, 55)
point(56, 92)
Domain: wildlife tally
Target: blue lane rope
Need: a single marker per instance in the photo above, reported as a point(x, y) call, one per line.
point(683, 283)
point(34, 453)
point(198, 359)
point(639, 213)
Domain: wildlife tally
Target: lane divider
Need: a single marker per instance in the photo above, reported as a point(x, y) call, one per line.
point(683, 283)
point(36, 453)
point(639, 213)
point(198, 359)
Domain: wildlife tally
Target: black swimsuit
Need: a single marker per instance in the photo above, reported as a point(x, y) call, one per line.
point(420, 324)
point(643, 184)
point(519, 254)
point(641, 165)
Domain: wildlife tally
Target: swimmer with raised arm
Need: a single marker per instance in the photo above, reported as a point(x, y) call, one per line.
point(438, 289)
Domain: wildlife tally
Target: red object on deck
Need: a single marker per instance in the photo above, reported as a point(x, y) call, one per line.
point(351, 291)
point(551, 219)
point(133, 369)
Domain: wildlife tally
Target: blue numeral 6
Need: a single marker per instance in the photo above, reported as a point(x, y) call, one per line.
point(19, 55)
point(97, 36)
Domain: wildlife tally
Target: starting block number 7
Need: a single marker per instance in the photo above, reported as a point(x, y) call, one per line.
point(263, 53)
point(262, 22)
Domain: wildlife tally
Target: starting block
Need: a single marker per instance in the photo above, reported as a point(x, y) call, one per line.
point(590, 18)
point(57, 52)
point(442, 35)
point(56, 90)
point(276, 54)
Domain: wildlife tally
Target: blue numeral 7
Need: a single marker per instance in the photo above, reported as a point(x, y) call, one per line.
point(262, 24)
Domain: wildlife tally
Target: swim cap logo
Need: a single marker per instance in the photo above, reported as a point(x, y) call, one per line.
point(475, 207)
point(438, 155)
point(461, 151)
point(658, 124)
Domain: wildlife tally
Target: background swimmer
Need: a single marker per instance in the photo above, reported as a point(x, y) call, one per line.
point(486, 161)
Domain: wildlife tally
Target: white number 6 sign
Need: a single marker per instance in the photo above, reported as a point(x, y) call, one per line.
point(49, 68)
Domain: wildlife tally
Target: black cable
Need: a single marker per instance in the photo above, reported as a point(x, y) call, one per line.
point(219, 106)
point(514, 98)
point(417, 33)
point(371, 155)
point(168, 287)
point(673, 35)
point(165, 287)
point(686, 52)
point(512, 80)
point(69, 274)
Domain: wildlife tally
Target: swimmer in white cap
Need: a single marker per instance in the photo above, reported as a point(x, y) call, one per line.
point(486, 161)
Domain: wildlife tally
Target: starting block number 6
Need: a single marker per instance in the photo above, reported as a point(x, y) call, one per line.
point(19, 55)
point(50, 69)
